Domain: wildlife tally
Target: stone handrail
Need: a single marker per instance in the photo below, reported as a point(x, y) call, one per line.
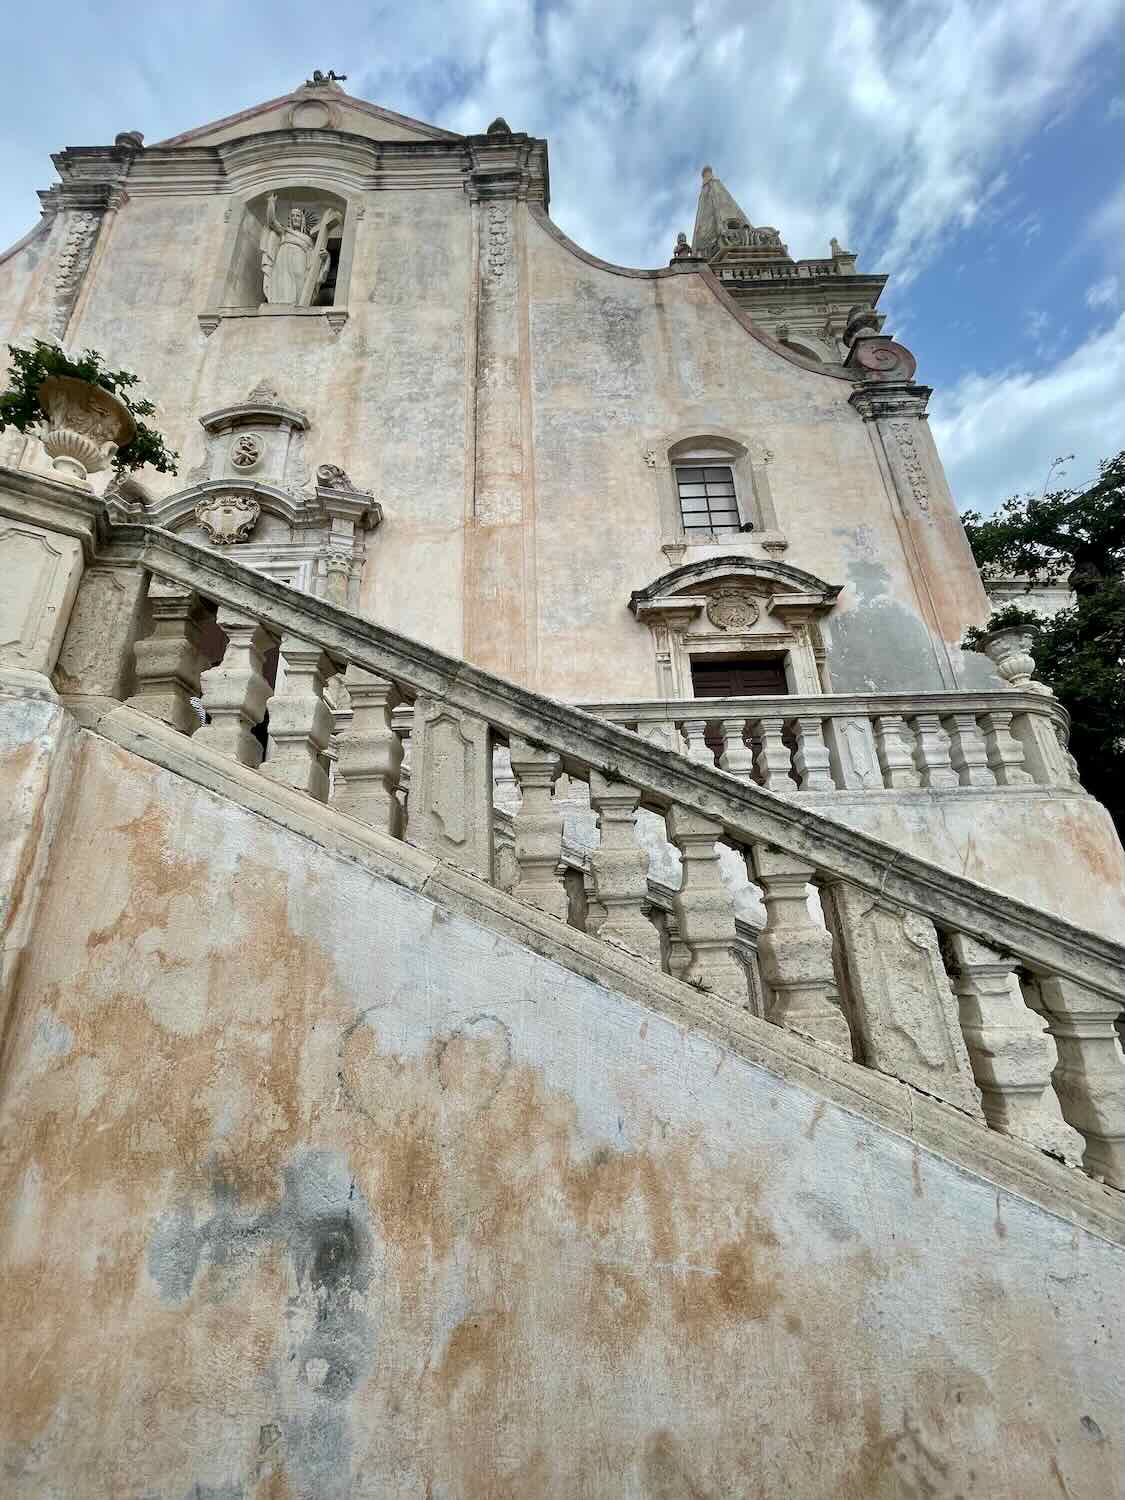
point(865, 742)
point(1005, 1011)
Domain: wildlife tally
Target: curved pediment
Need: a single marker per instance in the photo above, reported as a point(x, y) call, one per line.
point(759, 575)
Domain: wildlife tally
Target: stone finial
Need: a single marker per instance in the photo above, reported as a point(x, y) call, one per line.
point(682, 247)
point(129, 140)
point(320, 80)
point(499, 126)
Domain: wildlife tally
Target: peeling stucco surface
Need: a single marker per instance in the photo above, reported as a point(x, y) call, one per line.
point(315, 1189)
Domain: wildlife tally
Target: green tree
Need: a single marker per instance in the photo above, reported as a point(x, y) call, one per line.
point(1076, 536)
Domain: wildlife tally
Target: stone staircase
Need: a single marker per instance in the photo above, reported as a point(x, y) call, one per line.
point(894, 967)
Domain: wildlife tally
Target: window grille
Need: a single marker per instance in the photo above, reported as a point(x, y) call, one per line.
point(707, 498)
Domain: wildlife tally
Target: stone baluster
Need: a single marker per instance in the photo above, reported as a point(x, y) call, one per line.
point(170, 660)
point(812, 762)
point(968, 755)
point(931, 753)
point(300, 721)
point(704, 909)
point(620, 869)
point(370, 754)
point(1010, 1052)
point(235, 692)
point(1004, 751)
point(538, 827)
point(1090, 1077)
point(895, 749)
point(773, 758)
point(737, 758)
point(698, 749)
point(795, 953)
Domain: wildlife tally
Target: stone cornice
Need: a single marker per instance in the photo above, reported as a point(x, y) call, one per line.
point(890, 399)
point(789, 579)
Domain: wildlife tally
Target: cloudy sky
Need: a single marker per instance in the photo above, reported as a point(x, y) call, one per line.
point(972, 149)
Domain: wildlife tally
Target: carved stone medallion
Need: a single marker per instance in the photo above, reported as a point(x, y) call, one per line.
point(228, 518)
point(731, 609)
point(245, 451)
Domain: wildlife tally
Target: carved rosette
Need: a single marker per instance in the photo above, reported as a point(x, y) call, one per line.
point(228, 519)
point(246, 451)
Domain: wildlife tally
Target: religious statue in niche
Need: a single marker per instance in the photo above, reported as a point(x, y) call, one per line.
point(294, 263)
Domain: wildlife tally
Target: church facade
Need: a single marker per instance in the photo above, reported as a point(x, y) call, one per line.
point(609, 624)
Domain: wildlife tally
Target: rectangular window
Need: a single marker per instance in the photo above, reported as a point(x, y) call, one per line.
point(707, 498)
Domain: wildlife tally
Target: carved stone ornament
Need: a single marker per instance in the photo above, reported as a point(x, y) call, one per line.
point(86, 425)
point(880, 358)
point(228, 518)
point(246, 450)
point(732, 609)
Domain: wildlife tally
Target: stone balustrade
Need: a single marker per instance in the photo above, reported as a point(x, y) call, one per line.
point(1002, 1010)
point(900, 742)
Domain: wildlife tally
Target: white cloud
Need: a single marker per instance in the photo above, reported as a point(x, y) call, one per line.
point(1104, 293)
point(998, 433)
point(886, 124)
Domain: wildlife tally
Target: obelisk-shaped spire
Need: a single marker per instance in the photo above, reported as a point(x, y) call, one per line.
point(715, 211)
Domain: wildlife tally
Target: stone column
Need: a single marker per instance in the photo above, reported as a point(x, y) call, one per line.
point(300, 721)
point(1090, 1077)
point(620, 869)
point(370, 753)
point(449, 812)
point(170, 660)
point(1009, 1048)
point(235, 692)
point(704, 909)
point(538, 827)
point(795, 952)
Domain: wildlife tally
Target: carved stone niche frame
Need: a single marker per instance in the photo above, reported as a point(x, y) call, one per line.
point(236, 287)
point(736, 606)
point(253, 497)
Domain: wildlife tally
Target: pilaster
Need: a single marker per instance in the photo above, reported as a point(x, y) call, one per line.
point(500, 584)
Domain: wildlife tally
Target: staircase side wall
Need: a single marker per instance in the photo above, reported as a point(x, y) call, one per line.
point(314, 1188)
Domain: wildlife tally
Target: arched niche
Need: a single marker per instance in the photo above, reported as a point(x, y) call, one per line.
point(237, 288)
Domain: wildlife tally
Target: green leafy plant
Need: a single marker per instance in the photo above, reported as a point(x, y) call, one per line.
point(1008, 618)
point(1077, 536)
point(20, 408)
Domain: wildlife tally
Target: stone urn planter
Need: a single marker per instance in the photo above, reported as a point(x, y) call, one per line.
point(86, 425)
point(1009, 651)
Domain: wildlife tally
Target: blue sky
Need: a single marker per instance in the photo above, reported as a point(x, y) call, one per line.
point(970, 148)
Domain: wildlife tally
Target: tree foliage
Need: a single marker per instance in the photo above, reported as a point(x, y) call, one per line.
point(1077, 536)
point(19, 404)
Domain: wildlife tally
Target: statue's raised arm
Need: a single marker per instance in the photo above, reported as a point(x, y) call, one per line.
point(271, 215)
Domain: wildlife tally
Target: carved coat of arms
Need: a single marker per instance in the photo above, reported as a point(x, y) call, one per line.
point(731, 609)
point(228, 518)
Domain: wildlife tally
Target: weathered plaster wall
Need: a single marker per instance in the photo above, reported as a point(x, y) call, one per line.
point(601, 367)
point(314, 1189)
